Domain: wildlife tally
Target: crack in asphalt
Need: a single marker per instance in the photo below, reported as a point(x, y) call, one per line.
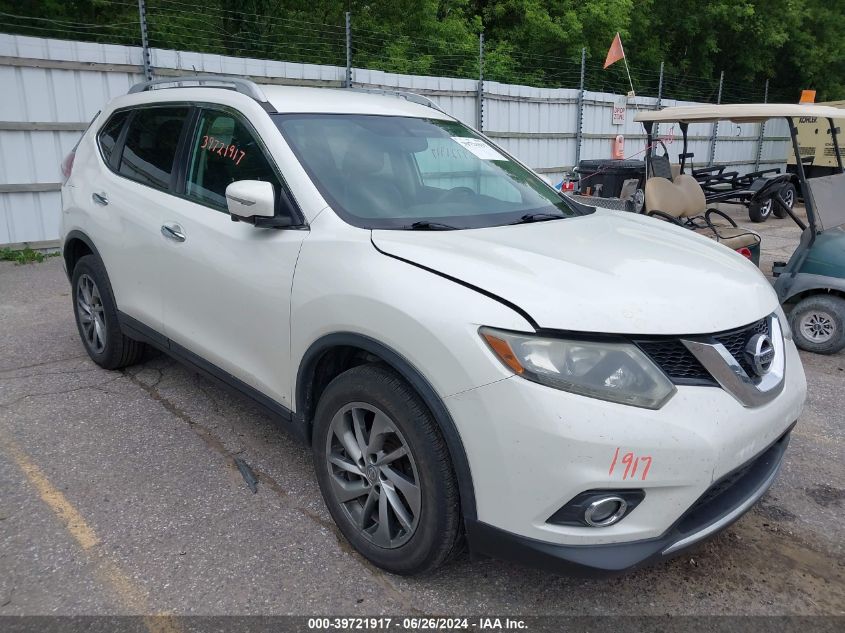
point(78, 370)
point(216, 444)
point(96, 387)
point(42, 364)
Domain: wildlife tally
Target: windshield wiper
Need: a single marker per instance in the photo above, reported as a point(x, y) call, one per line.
point(425, 225)
point(538, 217)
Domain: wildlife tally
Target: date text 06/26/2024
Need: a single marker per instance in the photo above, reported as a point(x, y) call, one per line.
point(416, 624)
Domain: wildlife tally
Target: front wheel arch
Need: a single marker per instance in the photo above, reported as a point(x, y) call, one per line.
point(306, 402)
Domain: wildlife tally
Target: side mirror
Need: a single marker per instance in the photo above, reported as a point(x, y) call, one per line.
point(250, 200)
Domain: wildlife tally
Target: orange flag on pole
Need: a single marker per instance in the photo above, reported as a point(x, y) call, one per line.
point(615, 53)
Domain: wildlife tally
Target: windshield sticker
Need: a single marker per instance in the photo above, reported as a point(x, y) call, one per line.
point(221, 149)
point(478, 148)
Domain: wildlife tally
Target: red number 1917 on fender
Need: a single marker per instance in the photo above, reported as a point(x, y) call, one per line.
point(632, 464)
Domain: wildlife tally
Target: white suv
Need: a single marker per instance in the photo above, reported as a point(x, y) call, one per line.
point(470, 356)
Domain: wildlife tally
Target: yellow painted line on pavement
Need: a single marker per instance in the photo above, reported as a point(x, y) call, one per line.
point(58, 503)
point(132, 597)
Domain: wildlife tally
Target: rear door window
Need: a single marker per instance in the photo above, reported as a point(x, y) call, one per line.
point(222, 151)
point(151, 141)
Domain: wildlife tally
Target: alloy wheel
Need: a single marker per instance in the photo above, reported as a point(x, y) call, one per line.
point(817, 327)
point(89, 308)
point(373, 474)
point(789, 198)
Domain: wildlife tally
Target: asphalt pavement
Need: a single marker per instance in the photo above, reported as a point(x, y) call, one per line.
point(119, 495)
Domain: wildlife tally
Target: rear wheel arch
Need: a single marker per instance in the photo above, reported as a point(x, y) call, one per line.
point(803, 293)
point(76, 246)
point(335, 353)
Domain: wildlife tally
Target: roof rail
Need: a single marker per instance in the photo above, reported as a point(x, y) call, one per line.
point(238, 84)
point(413, 97)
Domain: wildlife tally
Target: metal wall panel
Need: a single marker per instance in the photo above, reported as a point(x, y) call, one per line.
point(46, 81)
point(35, 216)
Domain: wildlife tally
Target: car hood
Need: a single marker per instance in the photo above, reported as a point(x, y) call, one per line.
point(606, 272)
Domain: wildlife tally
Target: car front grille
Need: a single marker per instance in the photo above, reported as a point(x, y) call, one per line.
point(736, 340)
point(677, 362)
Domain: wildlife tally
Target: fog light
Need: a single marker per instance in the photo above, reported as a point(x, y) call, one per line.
point(598, 508)
point(605, 511)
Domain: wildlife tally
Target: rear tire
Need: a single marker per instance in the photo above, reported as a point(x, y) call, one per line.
point(760, 211)
point(789, 195)
point(96, 317)
point(402, 514)
point(818, 324)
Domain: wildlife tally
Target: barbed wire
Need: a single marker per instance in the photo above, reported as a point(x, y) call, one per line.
point(65, 23)
point(190, 26)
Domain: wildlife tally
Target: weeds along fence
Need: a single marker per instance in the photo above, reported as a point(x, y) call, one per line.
point(53, 86)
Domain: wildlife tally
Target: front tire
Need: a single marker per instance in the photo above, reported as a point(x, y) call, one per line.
point(384, 471)
point(96, 317)
point(818, 324)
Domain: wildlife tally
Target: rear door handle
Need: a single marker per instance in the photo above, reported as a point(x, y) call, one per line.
point(100, 198)
point(173, 232)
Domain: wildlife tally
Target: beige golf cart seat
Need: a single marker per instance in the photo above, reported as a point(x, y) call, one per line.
point(681, 199)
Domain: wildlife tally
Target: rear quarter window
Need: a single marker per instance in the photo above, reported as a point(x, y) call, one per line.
point(110, 133)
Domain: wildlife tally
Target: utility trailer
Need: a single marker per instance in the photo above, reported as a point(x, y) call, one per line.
point(753, 190)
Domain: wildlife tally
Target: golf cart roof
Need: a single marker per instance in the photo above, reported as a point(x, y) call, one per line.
point(739, 113)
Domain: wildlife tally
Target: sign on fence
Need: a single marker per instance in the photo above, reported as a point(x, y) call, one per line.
point(619, 113)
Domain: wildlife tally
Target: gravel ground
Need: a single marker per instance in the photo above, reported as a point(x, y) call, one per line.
point(118, 495)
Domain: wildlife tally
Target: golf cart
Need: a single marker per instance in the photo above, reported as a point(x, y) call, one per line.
point(811, 285)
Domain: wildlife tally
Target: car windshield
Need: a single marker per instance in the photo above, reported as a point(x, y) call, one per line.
point(392, 172)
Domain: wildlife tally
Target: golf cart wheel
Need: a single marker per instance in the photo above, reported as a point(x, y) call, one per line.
point(818, 324)
point(789, 195)
point(761, 210)
point(385, 472)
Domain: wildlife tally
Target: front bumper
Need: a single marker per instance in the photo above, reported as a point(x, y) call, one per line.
point(720, 506)
point(532, 449)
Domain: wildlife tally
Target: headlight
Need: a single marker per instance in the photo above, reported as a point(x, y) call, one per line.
point(784, 323)
point(618, 372)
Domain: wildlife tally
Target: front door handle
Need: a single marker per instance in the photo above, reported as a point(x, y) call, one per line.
point(100, 198)
point(173, 232)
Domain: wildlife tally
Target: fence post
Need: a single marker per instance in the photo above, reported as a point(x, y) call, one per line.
point(762, 131)
point(659, 99)
point(578, 131)
point(716, 123)
point(145, 43)
point(479, 98)
point(347, 82)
